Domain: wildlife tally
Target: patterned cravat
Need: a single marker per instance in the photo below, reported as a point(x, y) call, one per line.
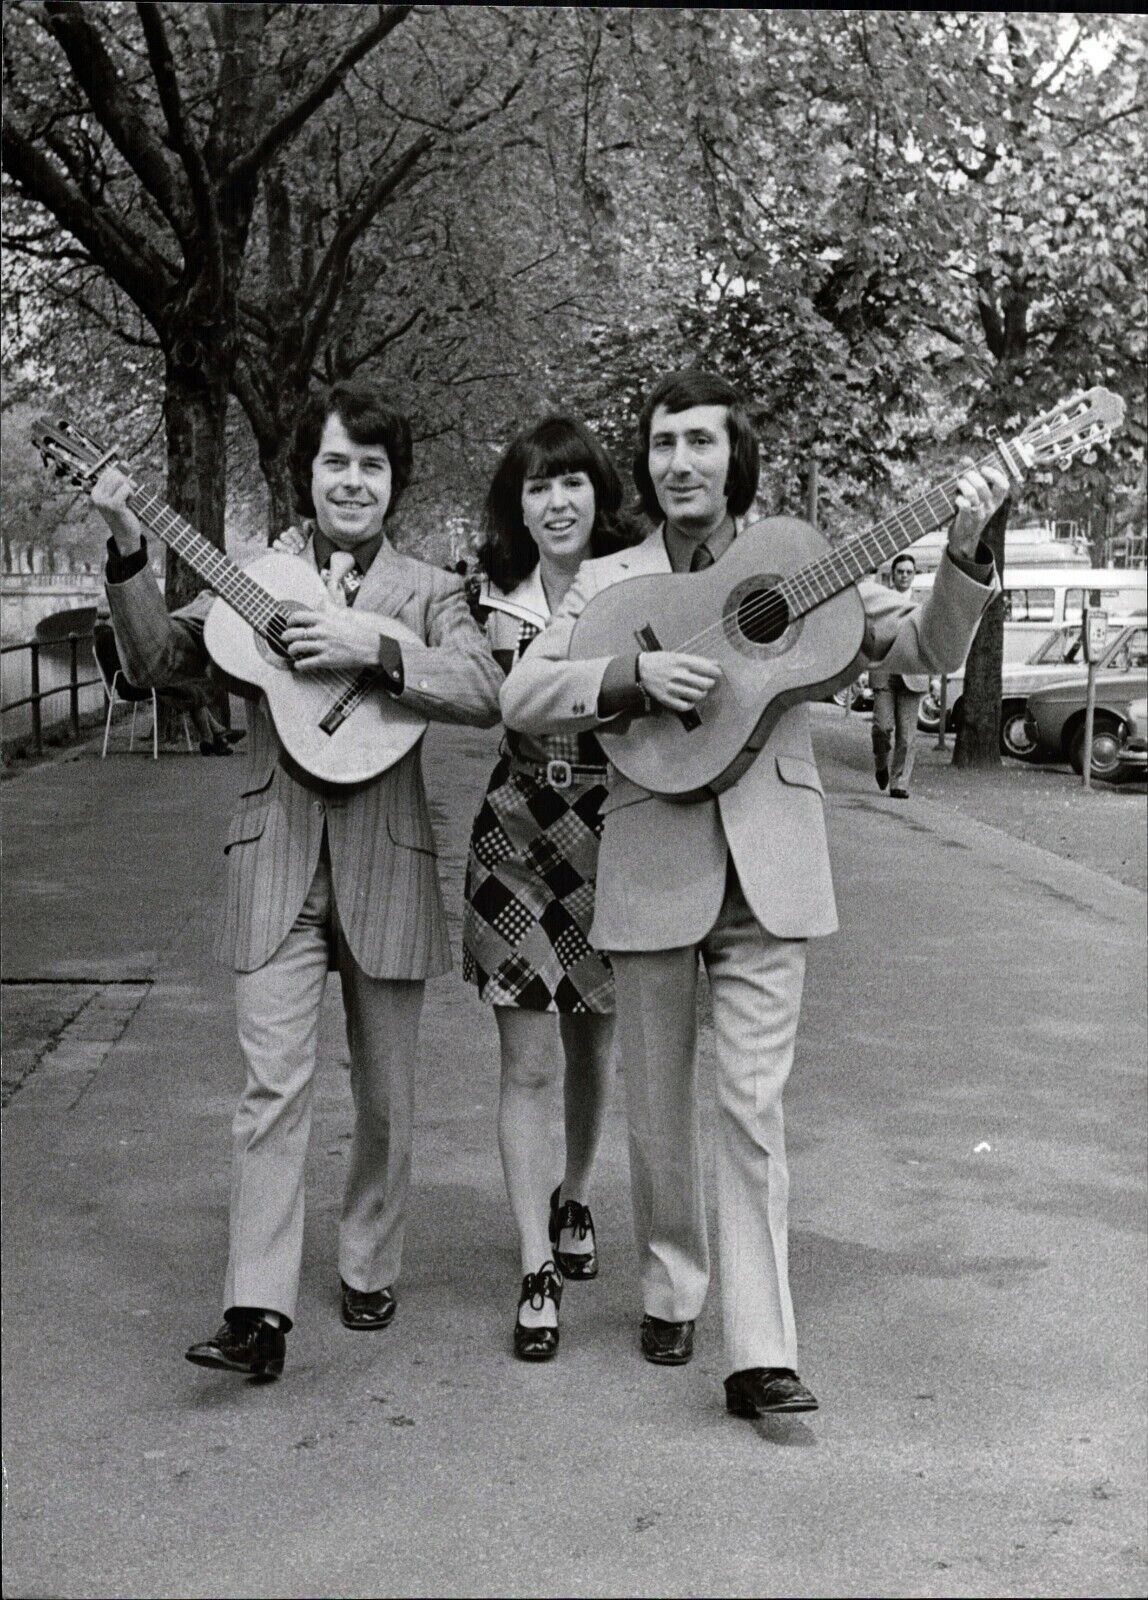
point(341, 577)
point(701, 558)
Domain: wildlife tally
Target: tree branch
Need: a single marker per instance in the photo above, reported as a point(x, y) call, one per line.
point(141, 271)
point(117, 108)
point(322, 293)
point(244, 168)
point(182, 139)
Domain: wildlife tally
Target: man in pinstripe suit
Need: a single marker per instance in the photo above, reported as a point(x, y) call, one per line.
point(322, 877)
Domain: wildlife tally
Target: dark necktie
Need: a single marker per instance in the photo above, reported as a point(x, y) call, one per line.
point(701, 559)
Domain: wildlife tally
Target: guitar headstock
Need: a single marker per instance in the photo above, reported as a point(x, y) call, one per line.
point(1070, 428)
point(70, 451)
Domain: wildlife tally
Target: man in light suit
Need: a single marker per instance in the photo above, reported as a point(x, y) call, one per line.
point(323, 876)
point(896, 703)
point(740, 881)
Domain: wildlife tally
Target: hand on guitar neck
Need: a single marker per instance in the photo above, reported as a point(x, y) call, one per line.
point(110, 497)
point(980, 492)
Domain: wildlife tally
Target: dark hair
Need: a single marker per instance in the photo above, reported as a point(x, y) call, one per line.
point(363, 408)
point(903, 556)
point(557, 444)
point(678, 391)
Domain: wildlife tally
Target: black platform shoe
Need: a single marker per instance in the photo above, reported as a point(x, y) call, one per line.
point(538, 1344)
point(578, 1220)
point(246, 1343)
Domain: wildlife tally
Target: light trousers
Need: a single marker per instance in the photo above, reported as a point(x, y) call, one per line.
point(756, 984)
point(278, 1008)
point(895, 728)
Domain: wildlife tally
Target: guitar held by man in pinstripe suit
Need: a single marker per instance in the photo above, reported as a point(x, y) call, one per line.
point(332, 722)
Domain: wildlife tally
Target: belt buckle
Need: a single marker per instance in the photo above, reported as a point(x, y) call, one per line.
point(559, 774)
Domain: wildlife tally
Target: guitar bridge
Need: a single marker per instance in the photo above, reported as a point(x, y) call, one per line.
point(351, 697)
point(648, 640)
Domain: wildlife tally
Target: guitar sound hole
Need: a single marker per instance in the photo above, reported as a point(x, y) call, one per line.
point(271, 641)
point(762, 615)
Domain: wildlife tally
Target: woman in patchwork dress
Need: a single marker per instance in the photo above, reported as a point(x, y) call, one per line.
point(554, 501)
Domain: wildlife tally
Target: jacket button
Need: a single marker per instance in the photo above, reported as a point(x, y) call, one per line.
point(317, 805)
point(578, 708)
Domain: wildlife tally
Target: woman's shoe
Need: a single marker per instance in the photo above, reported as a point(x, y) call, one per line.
point(538, 1344)
point(577, 1219)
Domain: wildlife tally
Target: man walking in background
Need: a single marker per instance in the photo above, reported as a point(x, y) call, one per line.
point(896, 703)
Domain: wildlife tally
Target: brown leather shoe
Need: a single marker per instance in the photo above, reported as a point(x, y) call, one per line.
point(367, 1309)
point(667, 1344)
point(765, 1391)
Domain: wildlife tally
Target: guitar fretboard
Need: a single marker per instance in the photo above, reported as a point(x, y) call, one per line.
point(253, 603)
point(863, 553)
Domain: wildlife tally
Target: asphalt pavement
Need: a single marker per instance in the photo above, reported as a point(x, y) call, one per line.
point(966, 1126)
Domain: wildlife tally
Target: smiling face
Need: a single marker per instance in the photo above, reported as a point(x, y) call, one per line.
point(559, 515)
point(688, 459)
point(350, 486)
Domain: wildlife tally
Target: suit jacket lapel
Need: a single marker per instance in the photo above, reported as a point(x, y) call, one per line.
point(645, 558)
point(387, 584)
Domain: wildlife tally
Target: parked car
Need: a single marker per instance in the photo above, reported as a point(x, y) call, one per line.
point(1057, 659)
point(1134, 746)
point(1037, 597)
point(1054, 718)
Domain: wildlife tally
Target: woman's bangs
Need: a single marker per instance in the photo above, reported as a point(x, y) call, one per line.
point(555, 453)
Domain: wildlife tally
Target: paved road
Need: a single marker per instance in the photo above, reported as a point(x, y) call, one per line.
point(966, 1121)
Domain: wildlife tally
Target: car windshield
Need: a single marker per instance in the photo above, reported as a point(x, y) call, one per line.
point(1061, 645)
point(1128, 653)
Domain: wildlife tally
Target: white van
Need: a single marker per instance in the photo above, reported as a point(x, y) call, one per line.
point(1040, 598)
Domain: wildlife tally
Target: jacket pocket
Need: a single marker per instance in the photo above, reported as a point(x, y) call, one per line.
point(261, 786)
point(411, 832)
point(800, 773)
point(246, 825)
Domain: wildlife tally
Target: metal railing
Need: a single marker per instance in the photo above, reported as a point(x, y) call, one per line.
point(71, 688)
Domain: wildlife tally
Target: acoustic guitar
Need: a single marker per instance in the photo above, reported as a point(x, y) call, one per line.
point(338, 726)
point(781, 615)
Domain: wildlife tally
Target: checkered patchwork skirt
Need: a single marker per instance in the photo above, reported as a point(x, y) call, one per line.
point(530, 895)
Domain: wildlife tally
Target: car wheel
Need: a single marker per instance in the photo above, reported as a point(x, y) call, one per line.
point(1105, 749)
point(929, 714)
point(1015, 738)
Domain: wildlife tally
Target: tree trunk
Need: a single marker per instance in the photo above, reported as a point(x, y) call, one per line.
point(978, 736)
point(195, 418)
point(281, 511)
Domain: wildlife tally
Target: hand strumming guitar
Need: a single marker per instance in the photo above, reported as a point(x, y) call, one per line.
point(321, 640)
point(678, 682)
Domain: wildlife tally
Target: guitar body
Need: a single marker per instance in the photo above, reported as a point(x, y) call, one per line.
point(724, 613)
point(374, 733)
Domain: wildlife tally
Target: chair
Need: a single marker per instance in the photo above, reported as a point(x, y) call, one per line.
point(117, 688)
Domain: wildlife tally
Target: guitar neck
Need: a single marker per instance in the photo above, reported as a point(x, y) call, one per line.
point(253, 603)
point(862, 554)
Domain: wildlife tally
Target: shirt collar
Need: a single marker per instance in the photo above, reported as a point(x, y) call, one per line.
point(680, 550)
point(364, 554)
